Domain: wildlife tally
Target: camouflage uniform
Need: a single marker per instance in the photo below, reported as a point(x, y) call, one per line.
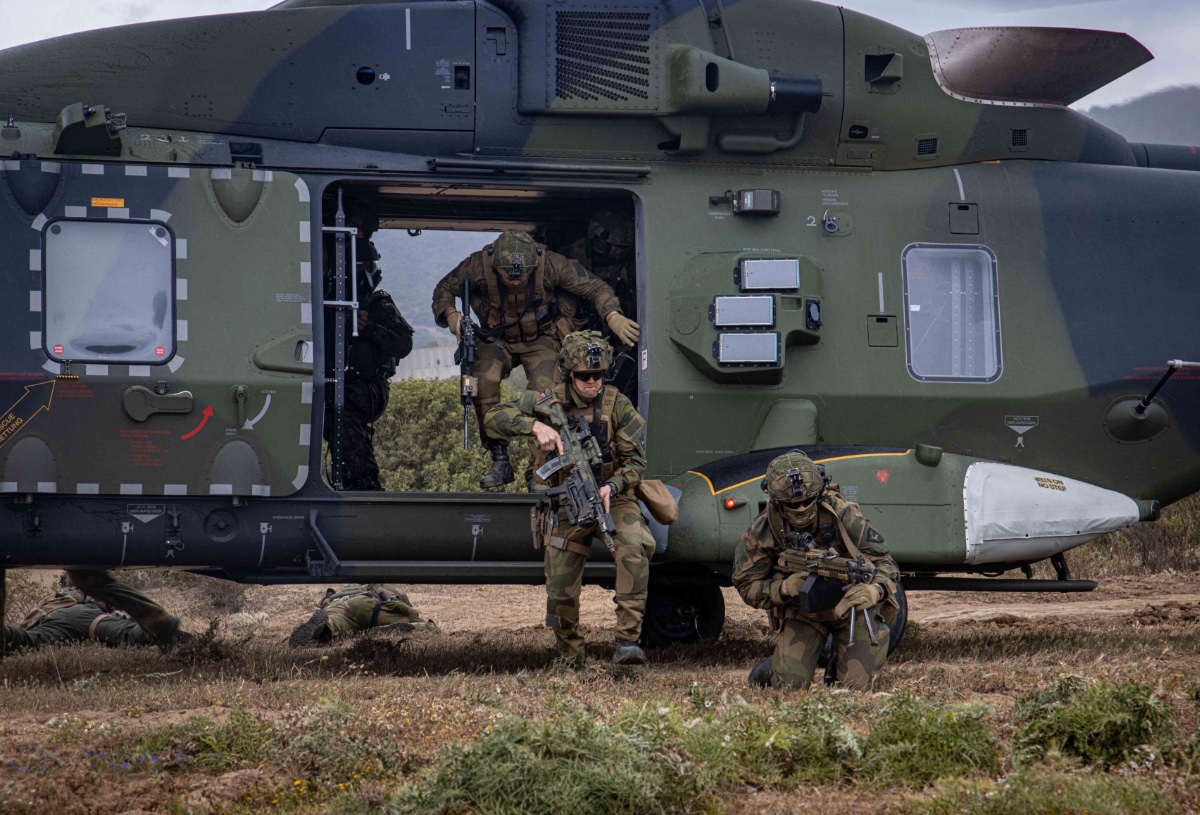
point(518, 326)
point(101, 585)
point(357, 608)
point(801, 637)
point(618, 427)
point(607, 252)
point(383, 339)
point(68, 617)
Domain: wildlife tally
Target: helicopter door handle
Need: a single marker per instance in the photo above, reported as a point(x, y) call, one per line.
point(142, 403)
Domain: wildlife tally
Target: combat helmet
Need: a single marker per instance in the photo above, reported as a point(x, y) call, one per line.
point(585, 352)
point(514, 254)
point(608, 228)
point(794, 484)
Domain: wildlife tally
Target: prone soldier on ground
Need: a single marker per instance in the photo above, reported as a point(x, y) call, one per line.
point(70, 616)
point(819, 569)
point(586, 407)
point(358, 608)
point(514, 285)
point(100, 585)
point(376, 339)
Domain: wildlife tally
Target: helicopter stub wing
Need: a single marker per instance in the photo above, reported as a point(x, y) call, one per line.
point(1032, 66)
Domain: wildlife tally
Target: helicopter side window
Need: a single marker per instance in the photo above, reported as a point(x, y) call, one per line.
point(109, 291)
point(951, 310)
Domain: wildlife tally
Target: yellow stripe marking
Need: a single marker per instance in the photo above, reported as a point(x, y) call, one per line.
point(713, 491)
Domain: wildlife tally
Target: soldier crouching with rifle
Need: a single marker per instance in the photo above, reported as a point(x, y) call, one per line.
point(590, 460)
point(818, 567)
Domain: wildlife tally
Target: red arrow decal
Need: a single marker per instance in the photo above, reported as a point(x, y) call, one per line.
point(204, 421)
point(882, 476)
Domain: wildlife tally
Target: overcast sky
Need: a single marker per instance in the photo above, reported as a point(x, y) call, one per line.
point(1169, 28)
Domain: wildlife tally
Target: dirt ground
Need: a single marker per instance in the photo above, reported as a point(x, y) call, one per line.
point(492, 658)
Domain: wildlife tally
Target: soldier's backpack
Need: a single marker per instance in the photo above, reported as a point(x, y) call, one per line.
point(60, 599)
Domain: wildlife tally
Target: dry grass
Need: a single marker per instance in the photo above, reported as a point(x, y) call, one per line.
point(235, 722)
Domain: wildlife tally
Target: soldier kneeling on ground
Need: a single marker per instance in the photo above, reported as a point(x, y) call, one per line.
point(70, 616)
point(357, 608)
point(807, 513)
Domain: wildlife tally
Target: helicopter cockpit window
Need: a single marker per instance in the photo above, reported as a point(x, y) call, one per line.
point(109, 291)
point(951, 308)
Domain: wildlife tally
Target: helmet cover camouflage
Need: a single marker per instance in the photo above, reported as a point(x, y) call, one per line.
point(515, 252)
point(794, 484)
point(586, 352)
point(793, 478)
point(608, 229)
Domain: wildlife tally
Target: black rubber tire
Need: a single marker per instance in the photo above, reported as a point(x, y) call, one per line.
point(682, 613)
point(900, 622)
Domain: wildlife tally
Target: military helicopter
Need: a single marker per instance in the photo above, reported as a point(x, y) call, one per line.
point(904, 254)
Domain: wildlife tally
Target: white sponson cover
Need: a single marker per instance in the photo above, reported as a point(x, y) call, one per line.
point(1015, 514)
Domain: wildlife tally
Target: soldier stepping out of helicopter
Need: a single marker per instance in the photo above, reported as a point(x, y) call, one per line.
point(584, 399)
point(515, 284)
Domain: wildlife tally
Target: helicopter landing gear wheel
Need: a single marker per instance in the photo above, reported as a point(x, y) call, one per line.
point(682, 613)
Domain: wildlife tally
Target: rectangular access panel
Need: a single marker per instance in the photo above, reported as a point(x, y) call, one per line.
point(158, 334)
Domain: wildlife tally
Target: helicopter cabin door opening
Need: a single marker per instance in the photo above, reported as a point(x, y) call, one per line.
point(397, 242)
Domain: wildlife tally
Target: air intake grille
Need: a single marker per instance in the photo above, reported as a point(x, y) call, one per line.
point(927, 147)
point(603, 59)
point(1020, 137)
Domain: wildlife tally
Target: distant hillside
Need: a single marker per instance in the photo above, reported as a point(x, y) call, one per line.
point(1164, 117)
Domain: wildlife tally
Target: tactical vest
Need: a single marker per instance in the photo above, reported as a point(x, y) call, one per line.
point(536, 317)
point(601, 424)
point(365, 358)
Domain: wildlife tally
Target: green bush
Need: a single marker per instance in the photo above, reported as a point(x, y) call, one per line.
point(419, 441)
point(739, 743)
point(916, 741)
point(1096, 721)
point(1041, 791)
point(573, 765)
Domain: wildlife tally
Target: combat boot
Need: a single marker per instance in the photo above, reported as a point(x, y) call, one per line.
point(306, 633)
point(501, 472)
point(760, 674)
point(628, 653)
point(165, 631)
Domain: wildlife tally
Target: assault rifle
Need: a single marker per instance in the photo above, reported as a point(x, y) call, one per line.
point(464, 357)
point(579, 494)
point(829, 575)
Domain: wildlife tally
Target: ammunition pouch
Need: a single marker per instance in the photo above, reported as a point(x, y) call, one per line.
point(541, 522)
point(658, 500)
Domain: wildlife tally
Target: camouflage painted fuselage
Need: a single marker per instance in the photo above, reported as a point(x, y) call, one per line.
point(1085, 242)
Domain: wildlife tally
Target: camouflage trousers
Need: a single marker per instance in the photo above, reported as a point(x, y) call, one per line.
point(366, 399)
point(564, 576)
point(76, 623)
point(495, 360)
point(800, 642)
point(101, 585)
